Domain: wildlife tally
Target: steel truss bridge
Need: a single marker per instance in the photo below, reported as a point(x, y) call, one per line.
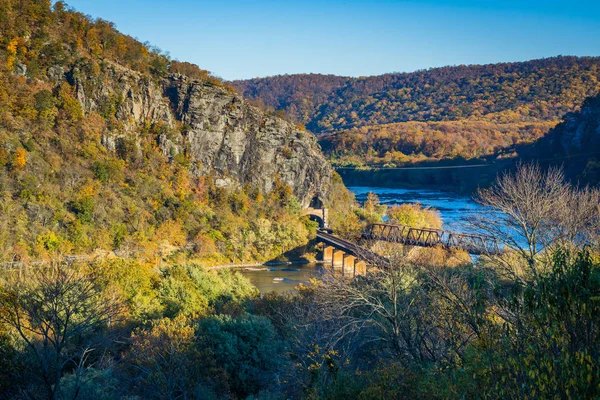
point(425, 237)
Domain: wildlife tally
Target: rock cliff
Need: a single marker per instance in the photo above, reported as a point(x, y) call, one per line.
point(221, 134)
point(573, 144)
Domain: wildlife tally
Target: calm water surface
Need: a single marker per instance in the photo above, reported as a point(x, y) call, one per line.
point(454, 210)
point(280, 279)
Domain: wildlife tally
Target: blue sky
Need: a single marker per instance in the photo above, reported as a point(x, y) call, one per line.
point(245, 39)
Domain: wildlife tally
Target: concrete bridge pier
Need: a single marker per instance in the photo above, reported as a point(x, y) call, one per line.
point(346, 257)
point(338, 259)
point(361, 268)
point(328, 254)
point(348, 265)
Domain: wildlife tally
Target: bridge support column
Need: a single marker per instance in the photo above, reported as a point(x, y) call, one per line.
point(338, 259)
point(328, 254)
point(348, 265)
point(360, 268)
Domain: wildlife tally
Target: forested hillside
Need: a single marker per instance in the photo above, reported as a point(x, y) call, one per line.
point(404, 142)
point(535, 90)
point(106, 145)
point(298, 96)
point(491, 107)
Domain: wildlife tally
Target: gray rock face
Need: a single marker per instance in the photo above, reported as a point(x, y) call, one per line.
point(579, 132)
point(127, 95)
point(573, 144)
point(241, 144)
point(223, 136)
point(56, 74)
point(21, 69)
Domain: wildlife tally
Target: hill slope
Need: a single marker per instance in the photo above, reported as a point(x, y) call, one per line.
point(535, 90)
point(107, 144)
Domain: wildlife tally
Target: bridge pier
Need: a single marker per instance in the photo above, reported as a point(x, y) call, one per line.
point(348, 265)
point(338, 259)
point(360, 268)
point(328, 254)
point(344, 256)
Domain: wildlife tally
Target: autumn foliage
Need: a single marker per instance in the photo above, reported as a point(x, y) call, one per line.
point(464, 111)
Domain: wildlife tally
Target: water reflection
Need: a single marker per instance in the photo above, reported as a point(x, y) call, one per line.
point(280, 279)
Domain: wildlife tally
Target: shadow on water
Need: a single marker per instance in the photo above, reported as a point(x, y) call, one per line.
point(286, 271)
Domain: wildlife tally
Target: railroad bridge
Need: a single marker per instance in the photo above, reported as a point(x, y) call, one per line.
point(351, 258)
point(354, 260)
point(426, 237)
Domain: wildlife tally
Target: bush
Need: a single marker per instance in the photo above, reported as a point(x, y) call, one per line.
point(83, 209)
point(247, 348)
point(166, 359)
point(91, 384)
point(44, 100)
point(193, 290)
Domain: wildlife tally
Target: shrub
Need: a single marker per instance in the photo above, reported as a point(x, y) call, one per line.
point(247, 348)
point(83, 209)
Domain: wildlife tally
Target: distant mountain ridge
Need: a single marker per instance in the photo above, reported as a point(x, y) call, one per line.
point(440, 113)
point(543, 89)
point(298, 95)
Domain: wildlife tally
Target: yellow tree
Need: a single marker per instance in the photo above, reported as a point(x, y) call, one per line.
point(19, 159)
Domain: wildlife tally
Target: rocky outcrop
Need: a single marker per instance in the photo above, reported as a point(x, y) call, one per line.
point(240, 144)
point(579, 131)
point(573, 144)
point(222, 135)
point(127, 95)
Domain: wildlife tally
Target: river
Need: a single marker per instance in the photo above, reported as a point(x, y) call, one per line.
point(454, 210)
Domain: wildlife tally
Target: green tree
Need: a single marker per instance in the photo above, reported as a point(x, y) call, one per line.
point(414, 215)
point(550, 346)
point(247, 348)
point(166, 359)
